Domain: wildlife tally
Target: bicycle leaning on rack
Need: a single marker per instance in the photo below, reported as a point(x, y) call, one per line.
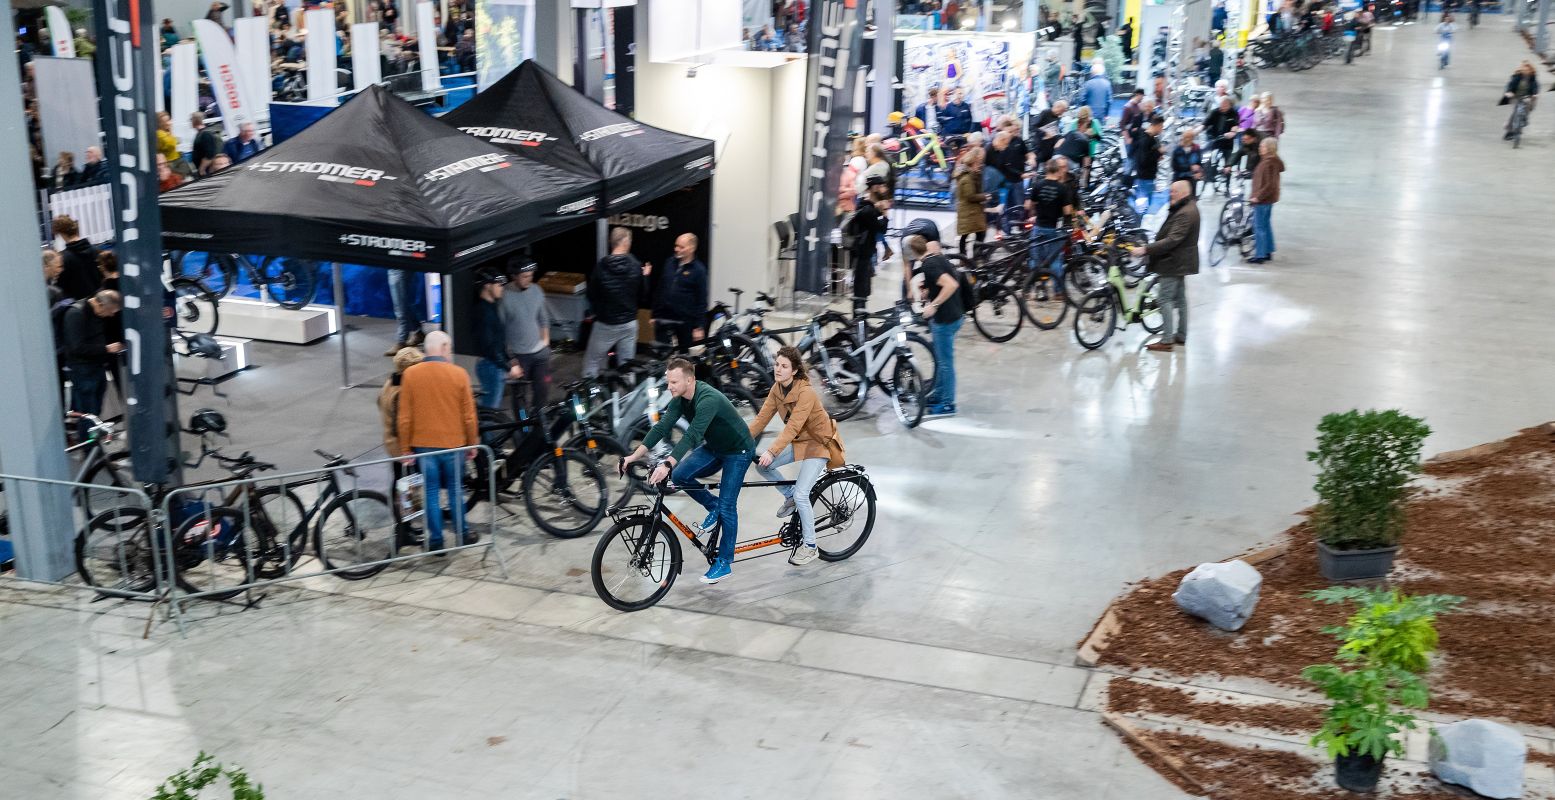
point(637, 561)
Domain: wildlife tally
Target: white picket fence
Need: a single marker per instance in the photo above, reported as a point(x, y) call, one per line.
point(90, 206)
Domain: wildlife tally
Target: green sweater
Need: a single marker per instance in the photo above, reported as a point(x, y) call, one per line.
point(713, 420)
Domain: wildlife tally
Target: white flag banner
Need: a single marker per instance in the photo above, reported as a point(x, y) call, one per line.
point(427, 41)
point(252, 35)
point(184, 96)
point(60, 33)
point(221, 67)
point(366, 68)
point(320, 48)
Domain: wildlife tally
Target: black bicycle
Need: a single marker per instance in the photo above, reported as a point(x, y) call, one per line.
point(563, 489)
point(636, 562)
point(292, 283)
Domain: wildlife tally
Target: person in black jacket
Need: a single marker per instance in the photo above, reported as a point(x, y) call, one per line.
point(613, 292)
point(80, 279)
point(89, 351)
point(865, 229)
point(680, 307)
point(1220, 127)
point(491, 338)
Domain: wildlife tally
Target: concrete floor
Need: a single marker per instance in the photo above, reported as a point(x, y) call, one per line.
point(935, 663)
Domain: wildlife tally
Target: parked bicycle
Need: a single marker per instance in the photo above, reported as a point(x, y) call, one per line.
point(292, 283)
point(1110, 309)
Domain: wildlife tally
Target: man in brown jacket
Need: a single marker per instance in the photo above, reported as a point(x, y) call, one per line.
point(1173, 256)
point(437, 412)
point(1265, 193)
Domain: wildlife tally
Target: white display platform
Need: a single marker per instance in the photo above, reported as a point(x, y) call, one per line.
point(252, 319)
point(234, 358)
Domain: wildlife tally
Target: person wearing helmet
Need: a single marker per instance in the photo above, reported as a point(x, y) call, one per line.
point(491, 336)
point(526, 321)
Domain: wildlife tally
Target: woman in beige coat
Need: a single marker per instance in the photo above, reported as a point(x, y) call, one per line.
point(809, 436)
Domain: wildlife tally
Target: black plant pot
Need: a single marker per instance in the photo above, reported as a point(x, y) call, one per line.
point(1351, 565)
point(1357, 773)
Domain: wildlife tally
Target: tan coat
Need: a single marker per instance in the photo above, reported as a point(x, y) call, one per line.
point(970, 217)
point(806, 425)
point(389, 415)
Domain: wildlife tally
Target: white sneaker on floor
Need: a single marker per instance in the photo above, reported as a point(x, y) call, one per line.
point(787, 510)
point(803, 554)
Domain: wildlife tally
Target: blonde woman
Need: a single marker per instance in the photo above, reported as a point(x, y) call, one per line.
point(1268, 119)
point(971, 219)
point(809, 436)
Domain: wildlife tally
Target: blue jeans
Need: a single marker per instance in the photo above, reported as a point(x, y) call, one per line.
point(702, 462)
point(88, 384)
point(493, 378)
point(1263, 230)
point(442, 473)
point(407, 302)
point(1143, 189)
point(944, 333)
point(1050, 255)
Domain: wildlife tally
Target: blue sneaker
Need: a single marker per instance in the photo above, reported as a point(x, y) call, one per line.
point(709, 523)
point(720, 569)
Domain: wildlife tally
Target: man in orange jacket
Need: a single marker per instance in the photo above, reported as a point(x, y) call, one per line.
point(437, 412)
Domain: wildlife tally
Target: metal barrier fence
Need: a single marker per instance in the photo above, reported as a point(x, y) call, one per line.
point(228, 538)
point(116, 538)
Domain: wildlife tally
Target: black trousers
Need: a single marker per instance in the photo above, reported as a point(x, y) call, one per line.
point(668, 331)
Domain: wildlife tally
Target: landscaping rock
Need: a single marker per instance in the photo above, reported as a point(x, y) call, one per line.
point(1223, 593)
point(1481, 755)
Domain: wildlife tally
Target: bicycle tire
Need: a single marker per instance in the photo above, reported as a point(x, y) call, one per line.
point(842, 383)
point(1217, 249)
point(1247, 245)
point(1150, 306)
point(196, 309)
point(115, 554)
point(657, 572)
point(835, 512)
point(1043, 301)
point(923, 357)
point(218, 272)
point(565, 473)
point(373, 523)
point(277, 548)
point(1101, 309)
point(291, 283)
point(110, 465)
point(1082, 276)
point(210, 554)
point(999, 314)
point(908, 395)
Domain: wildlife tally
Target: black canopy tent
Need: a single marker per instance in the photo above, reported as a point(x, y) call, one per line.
point(378, 182)
point(532, 111)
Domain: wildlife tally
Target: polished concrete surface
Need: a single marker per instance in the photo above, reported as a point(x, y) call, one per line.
point(935, 663)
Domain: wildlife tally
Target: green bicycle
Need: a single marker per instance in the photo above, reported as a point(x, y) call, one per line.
point(930, 153)
point(1101, 311)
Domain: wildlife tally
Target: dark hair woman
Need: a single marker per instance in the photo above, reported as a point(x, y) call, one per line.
point(809, 436)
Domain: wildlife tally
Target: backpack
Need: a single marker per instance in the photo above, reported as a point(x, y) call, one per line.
point(57, 322)
point(966, 279)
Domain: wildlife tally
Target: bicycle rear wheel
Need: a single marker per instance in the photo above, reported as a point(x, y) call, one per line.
point(565, 494)
point(210, 554)
point(997, 316)
point(196, 309)
point(842, 383)
point(844, 504)
point(355, 529)
point(1095, 318)
point(635, 563)
point(1082, 276)
point(278, 515)
point(217, 271)
point(1044, 302)
point(1150, 315)
point(114, 552)
point(112, 470)
point(291, 283)
point(1217, 249)
point(908, 396)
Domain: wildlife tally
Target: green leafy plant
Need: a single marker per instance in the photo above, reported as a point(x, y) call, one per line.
point(1365, 461)
point(186, 784)
point(1385, 647)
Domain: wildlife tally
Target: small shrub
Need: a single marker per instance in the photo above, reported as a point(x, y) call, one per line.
point(1365, 461)
point(186, 784)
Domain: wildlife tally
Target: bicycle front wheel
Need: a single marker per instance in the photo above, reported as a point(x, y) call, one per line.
point(635, 564)
point(842, 383)
point(1217, 249)
point(1150, 315)
point(908, 395)
point(291, 283)
point(196, 309)
point(216, 271)
point(114, 552)
point(565, 494)
point(844, 504)
point(278, 515)
point(210, 554)
point(997, 316)
point(1095, 318)
point(354, 530)
point(1083, 276)
point(1044, 301)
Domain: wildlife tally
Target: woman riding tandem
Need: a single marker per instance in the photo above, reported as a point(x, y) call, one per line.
point(809, 436)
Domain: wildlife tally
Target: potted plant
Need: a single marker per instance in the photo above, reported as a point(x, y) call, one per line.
point(188, 784)
point(1385, 648)
point(1365, 461)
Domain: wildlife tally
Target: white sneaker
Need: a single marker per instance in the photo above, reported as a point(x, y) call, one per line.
point(803, 554)
point(787, 510)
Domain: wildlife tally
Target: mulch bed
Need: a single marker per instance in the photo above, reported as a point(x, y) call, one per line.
point(1482, 525)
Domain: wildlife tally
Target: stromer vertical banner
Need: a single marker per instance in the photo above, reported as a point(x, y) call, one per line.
point(125, 71)
point(834, 105)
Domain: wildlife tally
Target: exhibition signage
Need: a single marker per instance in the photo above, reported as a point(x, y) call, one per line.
point(834, 105)
point(184, 82)
point(319, 47)
point(251, 37)
point(533, 114)
point(127, 44)
point(378, 182)
point(222, 69)
point(427, 43)
point(60, 33)
point(365, 67)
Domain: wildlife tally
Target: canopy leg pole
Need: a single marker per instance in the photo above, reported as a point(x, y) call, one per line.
point(340, 326)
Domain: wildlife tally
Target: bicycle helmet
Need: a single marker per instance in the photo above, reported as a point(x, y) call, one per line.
point(488, 276)
point(207, 420)
point(204, 345)
point(895, 117)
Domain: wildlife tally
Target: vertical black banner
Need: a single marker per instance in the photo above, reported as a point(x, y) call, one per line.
point(625, 41)
point(834, 105)
point(126, 69)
